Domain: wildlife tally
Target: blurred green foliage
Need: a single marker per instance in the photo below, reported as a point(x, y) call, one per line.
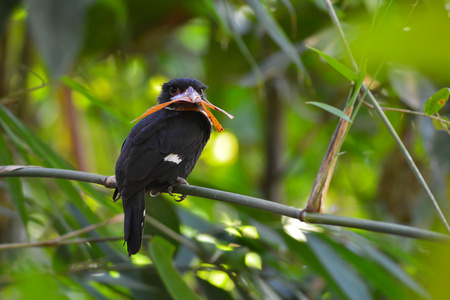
point(73, 74)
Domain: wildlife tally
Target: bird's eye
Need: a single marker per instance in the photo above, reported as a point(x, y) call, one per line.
point(200, 91)
point(173, 90)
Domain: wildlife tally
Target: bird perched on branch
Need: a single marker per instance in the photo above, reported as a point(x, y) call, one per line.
point(161, 150)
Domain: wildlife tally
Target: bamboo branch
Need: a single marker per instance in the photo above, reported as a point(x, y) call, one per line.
point(383, 227)
point(411, 112)
point(277, 208)
point(385, 120)
point(323, 178)
point(409, 160)
point(334, 18)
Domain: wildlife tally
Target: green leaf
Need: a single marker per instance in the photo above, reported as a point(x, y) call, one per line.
point(32, 141)
point(331, 109)
point(58, 28)
point(345, 277)
point(305, 253)
point(6, 7)
point(373, 274)
point(436, 102)
point(212, 292)
point(277, 34)
point(82, 90)
point(51, 159)
point(385, 262)
point(439, 125)
point(337, 65)
point(119, 9)
point(161, 251)
point(47, 154)
point(374, 271)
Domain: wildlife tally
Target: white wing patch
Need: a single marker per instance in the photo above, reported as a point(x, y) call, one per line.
point(174, 158)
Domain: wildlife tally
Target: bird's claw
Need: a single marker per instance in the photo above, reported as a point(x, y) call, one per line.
point(178, 182)
point(154, 194)
point(180, 198)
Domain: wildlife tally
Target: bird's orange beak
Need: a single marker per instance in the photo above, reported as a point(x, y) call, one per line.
point(191, 96)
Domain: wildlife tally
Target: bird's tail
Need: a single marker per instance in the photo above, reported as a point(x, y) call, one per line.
point(134, 210)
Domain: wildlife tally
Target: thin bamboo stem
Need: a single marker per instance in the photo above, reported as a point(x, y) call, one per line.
point(277, 208)
point(385, 120)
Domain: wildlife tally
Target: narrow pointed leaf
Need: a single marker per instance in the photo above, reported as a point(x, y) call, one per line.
point(58, 28)
point(161, 251)
point(277, 34)
point(337, 65)
point(394, 269)
point(306, 253)
point(51, 159)
point(331, 109)
point(437, 101)
point(341, 272)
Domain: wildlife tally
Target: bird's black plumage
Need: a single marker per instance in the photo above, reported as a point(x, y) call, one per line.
point(160, 150)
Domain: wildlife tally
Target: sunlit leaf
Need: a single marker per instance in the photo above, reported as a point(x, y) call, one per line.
point(211, 291)
point(337, 65)
point(162, 252)
point(253, 260)
point(331, 109)
point(437, 101)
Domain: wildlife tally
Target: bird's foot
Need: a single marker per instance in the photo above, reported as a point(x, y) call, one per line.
point(178, 182)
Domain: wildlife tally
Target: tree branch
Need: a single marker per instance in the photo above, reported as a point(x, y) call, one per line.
point(277, 208)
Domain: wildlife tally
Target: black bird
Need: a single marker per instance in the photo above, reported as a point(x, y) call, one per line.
point(161, 150)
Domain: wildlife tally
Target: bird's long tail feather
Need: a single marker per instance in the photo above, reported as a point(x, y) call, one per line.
point(134, 210)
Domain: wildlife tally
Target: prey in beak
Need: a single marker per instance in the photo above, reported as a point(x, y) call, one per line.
point(190, 99)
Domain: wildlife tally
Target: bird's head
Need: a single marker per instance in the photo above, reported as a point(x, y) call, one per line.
point(186, 94)
point(183, 89)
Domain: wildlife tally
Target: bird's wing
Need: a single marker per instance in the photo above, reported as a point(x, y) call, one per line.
point(155, 147)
